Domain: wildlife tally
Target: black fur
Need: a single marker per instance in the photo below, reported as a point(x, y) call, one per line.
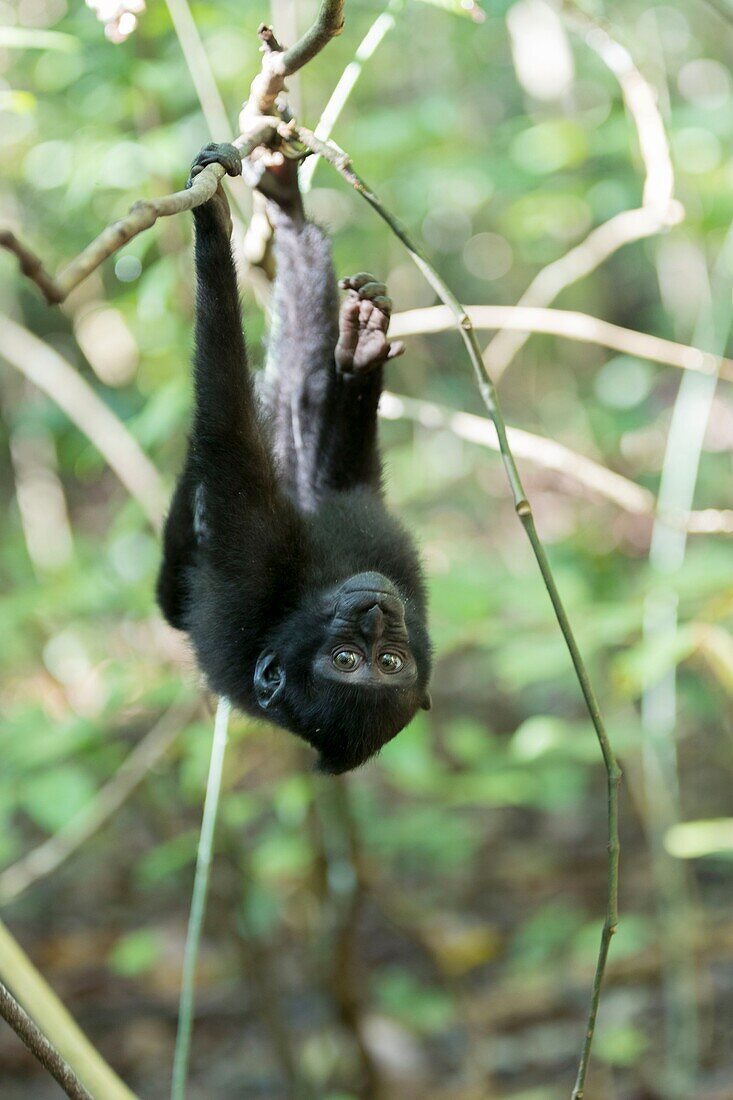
point(280, 507)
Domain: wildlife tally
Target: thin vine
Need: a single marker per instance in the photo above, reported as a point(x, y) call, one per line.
point(342, 163)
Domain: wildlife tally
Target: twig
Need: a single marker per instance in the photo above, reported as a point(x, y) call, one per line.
point(55, 1022)
point(369, 44)
point(549, 455)
point(640, 100)
point(277, 64)
point(659, 209)
point(339, 159)
point(568, 324)
point(262, 112)
point(39, 492)
point(49, 855)
point(45, 368)
point(40, 1047)
point(198, 902)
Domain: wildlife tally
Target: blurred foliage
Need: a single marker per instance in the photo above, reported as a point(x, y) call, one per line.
point(457, 884)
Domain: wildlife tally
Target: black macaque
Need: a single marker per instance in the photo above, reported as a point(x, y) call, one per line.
point(303, 598)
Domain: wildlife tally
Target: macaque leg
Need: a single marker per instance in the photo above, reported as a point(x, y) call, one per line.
point(324, 371)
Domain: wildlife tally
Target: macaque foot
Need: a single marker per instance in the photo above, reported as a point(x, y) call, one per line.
point(363, 322)
point(274, 173)
point(228, 156)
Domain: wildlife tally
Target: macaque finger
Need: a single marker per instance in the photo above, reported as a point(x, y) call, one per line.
point(396, 349)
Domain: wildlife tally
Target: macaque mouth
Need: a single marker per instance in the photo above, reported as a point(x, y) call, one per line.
point(368, 582)
point(365, 591)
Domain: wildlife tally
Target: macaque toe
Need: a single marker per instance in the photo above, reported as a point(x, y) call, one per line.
point(364, 320)
point(356, 282)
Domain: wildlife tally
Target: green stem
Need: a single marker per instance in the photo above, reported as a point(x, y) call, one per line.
point(342, 163)
point(198, 902)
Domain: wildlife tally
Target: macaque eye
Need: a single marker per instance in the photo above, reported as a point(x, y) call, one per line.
point(345, 660)
point(390, 662)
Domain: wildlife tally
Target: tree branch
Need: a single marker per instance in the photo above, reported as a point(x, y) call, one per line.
point(278, 63)
point(40, 1047)
point(328, 23)
point(143, 214)
point(49, 855)
point(568, 324)
point(659, 209)
point(257, 124)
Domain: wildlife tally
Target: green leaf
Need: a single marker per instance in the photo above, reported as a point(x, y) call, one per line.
point(135, 953)
point(622, 1045)
point(164, 860)
point(281, 856)
point(53, 798)
point(403, 996)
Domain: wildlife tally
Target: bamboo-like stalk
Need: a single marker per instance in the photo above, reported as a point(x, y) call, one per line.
point(198, 902)
point(660, 772)
point(342, 163)
point(547, 454)
point(659, 209)
point(55, 1022)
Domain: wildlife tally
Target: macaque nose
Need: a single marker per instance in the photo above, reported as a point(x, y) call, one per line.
point(372, 624)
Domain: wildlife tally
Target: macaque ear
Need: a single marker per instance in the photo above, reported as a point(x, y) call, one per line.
point(426, 702)
point(269, 679)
